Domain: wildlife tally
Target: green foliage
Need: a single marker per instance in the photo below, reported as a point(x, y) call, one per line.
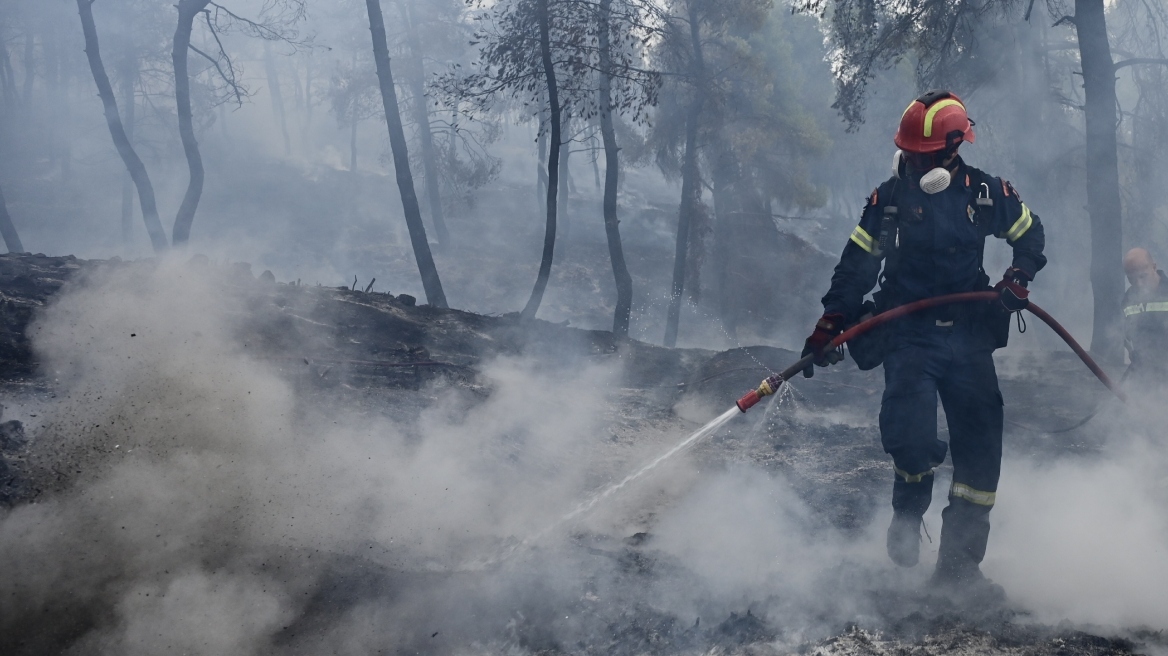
point(758, 123)
point(952, 43)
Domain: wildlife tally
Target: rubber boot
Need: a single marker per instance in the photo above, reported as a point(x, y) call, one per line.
point(904, 539)
point(965, 530)
point(909, 503)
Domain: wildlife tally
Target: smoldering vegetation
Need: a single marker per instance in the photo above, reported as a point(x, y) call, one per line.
point(221, 500)
point(197, 458)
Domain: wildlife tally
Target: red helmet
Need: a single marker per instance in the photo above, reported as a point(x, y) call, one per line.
point(934, 122)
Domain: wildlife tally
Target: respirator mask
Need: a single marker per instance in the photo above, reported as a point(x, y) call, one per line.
point(935, 178)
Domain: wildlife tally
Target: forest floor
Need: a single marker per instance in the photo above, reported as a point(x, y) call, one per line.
point(660, 571)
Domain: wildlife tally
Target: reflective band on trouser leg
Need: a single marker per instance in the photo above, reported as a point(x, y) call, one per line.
point(1021, 225)
point(980, 497)
point(912, 478)
point(932, 113)
point(862, 239)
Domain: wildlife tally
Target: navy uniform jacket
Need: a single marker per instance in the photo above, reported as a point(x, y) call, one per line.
point(940, 241)
point(1146, 327)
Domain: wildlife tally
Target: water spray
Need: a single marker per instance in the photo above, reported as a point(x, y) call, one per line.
point(772, 384)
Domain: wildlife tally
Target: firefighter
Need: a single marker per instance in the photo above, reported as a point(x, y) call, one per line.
point(927, 225)
point(1145, 311)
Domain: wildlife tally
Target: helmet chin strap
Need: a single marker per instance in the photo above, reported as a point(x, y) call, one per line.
point(933, 181)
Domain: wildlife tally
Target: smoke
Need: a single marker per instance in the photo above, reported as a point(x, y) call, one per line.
point(1084, 538)
point(211, 502)
point(215, 507)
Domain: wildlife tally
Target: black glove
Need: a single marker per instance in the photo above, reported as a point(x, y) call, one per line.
point(828, 326)
point(1012, 290)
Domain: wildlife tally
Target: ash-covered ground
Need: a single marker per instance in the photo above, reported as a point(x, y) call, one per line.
point(211, 462)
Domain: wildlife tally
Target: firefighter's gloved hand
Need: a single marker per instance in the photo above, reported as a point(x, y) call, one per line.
point(1012, 290)
point(828, 326)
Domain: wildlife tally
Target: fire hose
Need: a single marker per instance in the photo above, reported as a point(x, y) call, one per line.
point(772, 384)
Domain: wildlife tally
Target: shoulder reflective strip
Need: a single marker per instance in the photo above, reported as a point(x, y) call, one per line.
point(912, 478)
point(1021, 225)
point(980, 497)
point(1133, 309)
point(1158, 306)
point(862, 239)
point(938, 106)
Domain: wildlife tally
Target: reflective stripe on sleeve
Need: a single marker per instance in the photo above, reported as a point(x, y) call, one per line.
point(862, 239)
point(1021, 225)
point(912, 478)
point(1138, 308)
point(980, 497)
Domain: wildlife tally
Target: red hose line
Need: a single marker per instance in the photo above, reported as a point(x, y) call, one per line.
point(1079, 350)
point(895, 313)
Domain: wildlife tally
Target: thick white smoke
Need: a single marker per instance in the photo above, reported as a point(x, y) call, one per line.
point(211, 500)
point(214, 508)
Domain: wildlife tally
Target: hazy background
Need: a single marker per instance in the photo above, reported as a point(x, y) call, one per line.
point(224, 513)
point(280, 194)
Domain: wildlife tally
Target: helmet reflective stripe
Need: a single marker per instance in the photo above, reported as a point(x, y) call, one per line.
point(938, 106)
point(1021, 225)
point(980, 497)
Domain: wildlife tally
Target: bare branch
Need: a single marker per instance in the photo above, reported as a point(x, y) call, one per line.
point(231, 81)
point(1140, 60)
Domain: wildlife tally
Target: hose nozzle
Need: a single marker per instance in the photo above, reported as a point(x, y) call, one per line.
point(766, 388)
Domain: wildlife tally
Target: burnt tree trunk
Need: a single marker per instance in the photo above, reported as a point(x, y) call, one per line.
point(353, 145)
point(29, 68)
point(620, 271)
point(129, 74)
point(562, 200)
point(417, 82)
point(401, 159)
point(306, 130)
point(1103, 197)
point(7, 229)
point(553, 162)
point(187, 10)
point(541, 148)
point(277, 97)
point(118, 132)
point(7, 79)
point(690, 181)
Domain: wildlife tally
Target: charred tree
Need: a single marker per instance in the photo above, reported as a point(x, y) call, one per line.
point(401, 159)
point(29, 67)
point(7, 229)
point(417, 82)
point(187, 11)
point(128, 71)
point(553, 162)
point(541, 165)
point(620, 271)
point(690, 179)
point(121, 141)
point(277, 97)
point(1103, 198)
point(353, 145)
point(562, 200)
